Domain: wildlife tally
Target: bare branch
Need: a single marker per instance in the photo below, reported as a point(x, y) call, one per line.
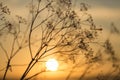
point(4, 51)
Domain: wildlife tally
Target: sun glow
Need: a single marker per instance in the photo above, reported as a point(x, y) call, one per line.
point(52, 64)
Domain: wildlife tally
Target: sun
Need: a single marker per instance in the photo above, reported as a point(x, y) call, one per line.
point(52, 64)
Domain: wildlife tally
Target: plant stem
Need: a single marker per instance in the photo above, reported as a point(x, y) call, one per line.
point(8, 65)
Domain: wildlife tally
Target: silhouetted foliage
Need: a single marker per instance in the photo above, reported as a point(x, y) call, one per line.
point(54, 28)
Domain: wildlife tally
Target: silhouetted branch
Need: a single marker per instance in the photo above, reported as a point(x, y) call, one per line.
point(4, 51)
point(55, 28)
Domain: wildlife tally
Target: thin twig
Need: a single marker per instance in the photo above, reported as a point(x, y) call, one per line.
point(4, 51)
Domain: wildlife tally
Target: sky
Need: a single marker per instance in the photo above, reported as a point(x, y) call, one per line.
point(111, 5)
point(103, 11)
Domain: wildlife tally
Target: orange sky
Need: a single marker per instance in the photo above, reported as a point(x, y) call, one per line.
point(103, 11)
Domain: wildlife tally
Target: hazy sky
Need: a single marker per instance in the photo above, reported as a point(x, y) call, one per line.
point(103, 11)
point(106, 3)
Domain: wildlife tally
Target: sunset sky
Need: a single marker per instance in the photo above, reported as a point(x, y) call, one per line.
point(104, 12)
